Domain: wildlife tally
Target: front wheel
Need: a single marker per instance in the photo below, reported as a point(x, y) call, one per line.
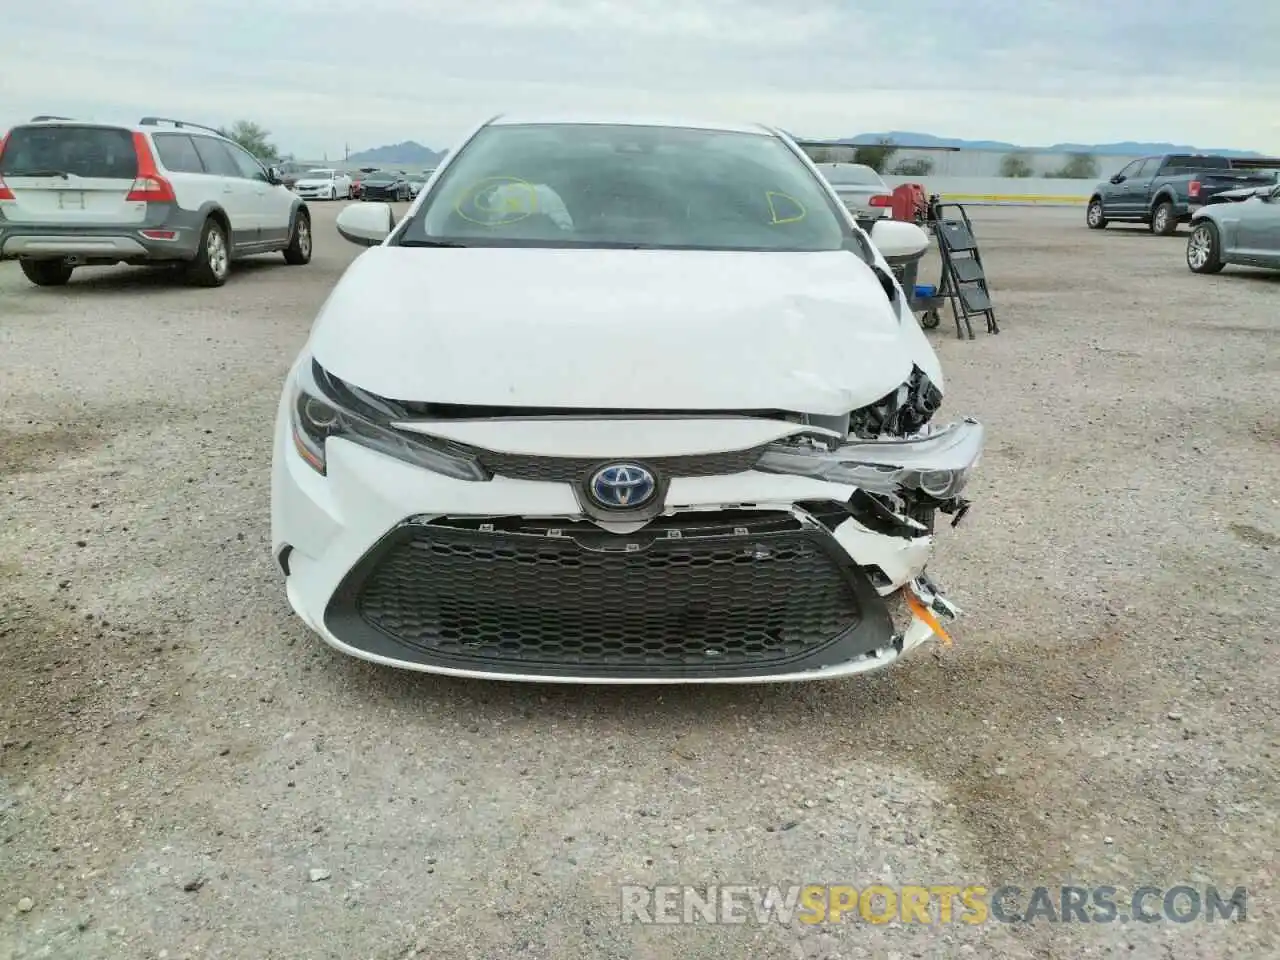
point(1094, 216)
point(1204, 248)
point(1163, 221)
point(47, 273)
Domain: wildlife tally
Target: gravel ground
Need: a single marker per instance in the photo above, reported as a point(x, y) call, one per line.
point(181, 758)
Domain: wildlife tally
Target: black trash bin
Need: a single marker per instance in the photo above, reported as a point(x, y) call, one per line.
point(906, 270)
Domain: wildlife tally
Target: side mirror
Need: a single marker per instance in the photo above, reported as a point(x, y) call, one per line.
point(1118, 178)
point(366, 224)
point(896, 238)
point(274, 176)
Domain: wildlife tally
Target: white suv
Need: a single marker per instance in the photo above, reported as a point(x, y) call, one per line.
point(162, 192)
point(324, 184)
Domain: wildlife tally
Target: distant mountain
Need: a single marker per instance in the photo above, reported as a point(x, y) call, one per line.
point(411, 153)
point(908, 138)
point(407, 154)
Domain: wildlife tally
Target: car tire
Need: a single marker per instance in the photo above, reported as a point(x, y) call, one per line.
point(298, 252)
point(47, 273)
point(1164, 222)
point(1094, 216)
point(212, 264)
point(1204, 248)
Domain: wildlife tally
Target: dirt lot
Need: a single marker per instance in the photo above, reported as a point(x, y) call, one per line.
point(180, 754)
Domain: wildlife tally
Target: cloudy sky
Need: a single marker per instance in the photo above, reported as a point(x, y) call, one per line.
point(323, 73)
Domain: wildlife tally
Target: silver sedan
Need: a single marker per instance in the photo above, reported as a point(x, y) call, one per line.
point(860, 188)
point(1244, 231)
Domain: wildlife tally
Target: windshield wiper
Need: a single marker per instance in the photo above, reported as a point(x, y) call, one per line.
point(432, 243)
point(38, 173)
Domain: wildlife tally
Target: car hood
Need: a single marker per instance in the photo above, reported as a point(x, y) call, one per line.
point(312, 183)
point(614, 329)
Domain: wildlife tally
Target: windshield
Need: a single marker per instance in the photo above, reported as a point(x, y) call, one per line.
point(589, 185)
point(318, 175)
point(850, 174)
point(104, 152)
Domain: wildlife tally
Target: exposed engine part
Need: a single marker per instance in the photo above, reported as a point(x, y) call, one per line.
point(903, 412)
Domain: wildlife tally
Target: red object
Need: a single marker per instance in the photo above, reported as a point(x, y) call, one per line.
point(149, 186)
point(881, 200)
point(1193, 189)
point(909, 203)
point(5, 192)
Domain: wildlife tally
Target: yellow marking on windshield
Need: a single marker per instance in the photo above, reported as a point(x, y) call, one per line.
point(499, 206)
point(775, 216)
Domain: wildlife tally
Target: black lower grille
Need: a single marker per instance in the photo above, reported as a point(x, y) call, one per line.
point(701, 594)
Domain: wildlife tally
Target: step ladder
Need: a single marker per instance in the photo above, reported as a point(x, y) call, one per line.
point(963, 282)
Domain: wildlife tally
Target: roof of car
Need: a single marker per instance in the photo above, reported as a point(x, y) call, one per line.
point(688, 123)
point(163, 126)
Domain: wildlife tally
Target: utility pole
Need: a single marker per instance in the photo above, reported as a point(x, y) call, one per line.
point(346, 152)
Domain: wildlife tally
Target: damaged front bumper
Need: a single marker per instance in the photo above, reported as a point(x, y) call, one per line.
point(762, 575)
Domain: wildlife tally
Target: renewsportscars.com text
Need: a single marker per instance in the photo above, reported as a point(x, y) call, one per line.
point(936, 904)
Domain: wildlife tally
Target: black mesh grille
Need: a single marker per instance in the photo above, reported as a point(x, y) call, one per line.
point(570, 469)
point(715, 593)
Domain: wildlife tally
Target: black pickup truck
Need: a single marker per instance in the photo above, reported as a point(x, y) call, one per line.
point(1163, 192)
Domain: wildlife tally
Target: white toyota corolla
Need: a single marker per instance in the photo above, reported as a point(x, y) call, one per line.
point(619, 403)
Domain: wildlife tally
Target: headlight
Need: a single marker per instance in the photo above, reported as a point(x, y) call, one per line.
point(937, 465)
point(320, 413)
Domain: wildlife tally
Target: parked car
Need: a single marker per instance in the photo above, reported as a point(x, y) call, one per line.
point(162, 192)
point(1164, 191)
point(360, 176)
point(324, 184)
point(383, 185)
point(290, 172)
point(1245, 193)
point(688, 435)
point(1245, 233)
point(861, 189)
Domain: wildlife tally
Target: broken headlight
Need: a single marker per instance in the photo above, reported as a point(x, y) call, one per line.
point(323, 406)
point(937, 465)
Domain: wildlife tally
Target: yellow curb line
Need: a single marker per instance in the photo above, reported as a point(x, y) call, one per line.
point(1011, 198)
